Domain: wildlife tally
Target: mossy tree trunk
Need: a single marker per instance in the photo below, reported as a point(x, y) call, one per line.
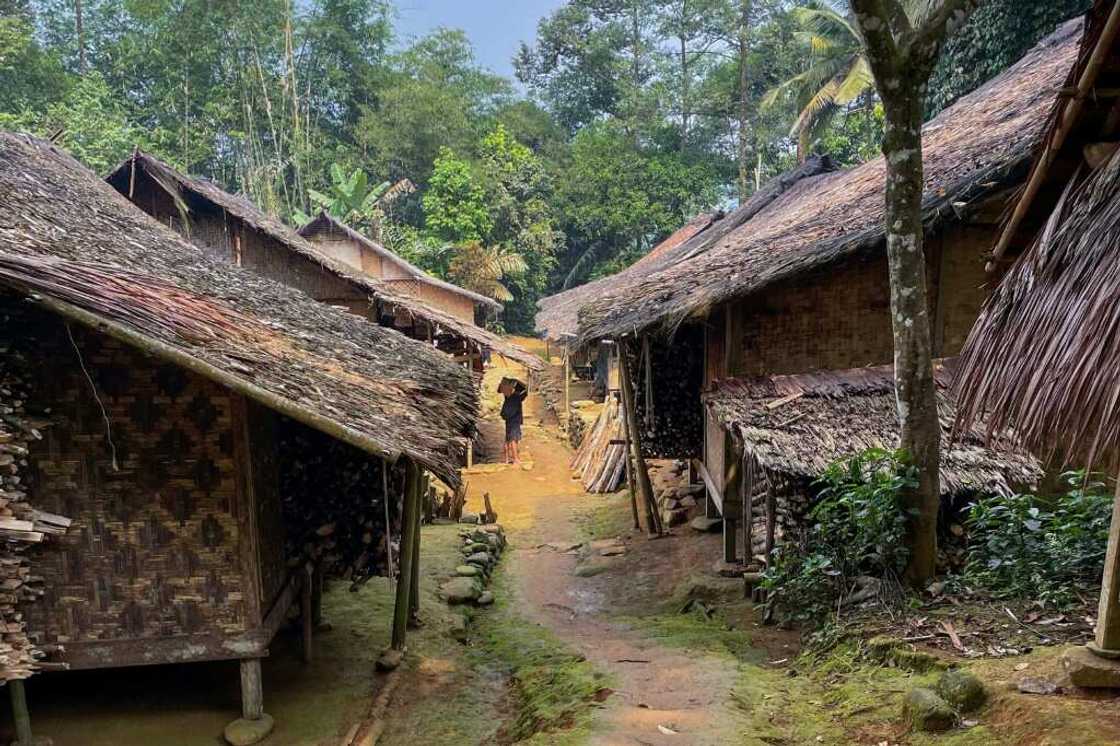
point(902, 54)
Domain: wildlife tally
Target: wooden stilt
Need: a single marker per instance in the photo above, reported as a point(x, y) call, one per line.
point(746, 495)
point(730, 534)
point(771, 523)
point(645, 487)
point(1107, 640)
point(252, 692)
point(317, 595)
point(414, 575)
point(21, 716)
point(408, 540)
point(306, 612)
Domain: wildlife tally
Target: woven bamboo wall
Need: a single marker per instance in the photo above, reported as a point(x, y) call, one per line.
point(447, 301)
point(153, 552)
point(840, 318)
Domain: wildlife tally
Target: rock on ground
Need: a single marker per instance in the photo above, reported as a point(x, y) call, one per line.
point(962, 690)
point(1089, 670)
point(705, 525)
point(242, 732)
point(926, 711)
point(461, 590)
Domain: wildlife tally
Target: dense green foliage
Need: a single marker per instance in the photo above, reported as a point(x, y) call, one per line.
point(857, 528)
point(1045, 548)
point(631, 115)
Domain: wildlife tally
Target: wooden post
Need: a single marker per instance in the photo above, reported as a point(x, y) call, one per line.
point(252, 693)
point(307, 615)
point(652, 522)
point(1107, 640)
point(567, 388)
point(771, 522)
point(630, 473)
point(317, 595)
point(21, 716)
point(408, 540)
point(414, 573)
point(746, 494)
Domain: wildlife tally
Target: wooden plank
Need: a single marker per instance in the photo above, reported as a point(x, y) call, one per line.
point(248, 536)
point(278, 613)
point(307, 615)
point(713, 491)
point(160, 651)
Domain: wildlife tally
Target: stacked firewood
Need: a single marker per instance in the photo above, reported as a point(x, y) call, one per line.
point(600, 462)
point(21, 525)
point(667, 400)
point(333, 504)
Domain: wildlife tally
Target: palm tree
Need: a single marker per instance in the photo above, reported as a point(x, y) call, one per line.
point(838, 72)
point(482, 269)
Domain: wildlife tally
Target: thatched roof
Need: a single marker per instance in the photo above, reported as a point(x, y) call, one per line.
point(326, 222)
point(558, 317)
point(797, 425)
point(175, 183)
point(81, 249)
point(972, 150)
point(1044, 356)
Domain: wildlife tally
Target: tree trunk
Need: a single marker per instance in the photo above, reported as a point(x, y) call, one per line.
point(744, 103)
point(79, 31)
point(913, 359)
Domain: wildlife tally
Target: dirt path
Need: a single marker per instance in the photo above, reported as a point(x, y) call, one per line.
point(684, 692)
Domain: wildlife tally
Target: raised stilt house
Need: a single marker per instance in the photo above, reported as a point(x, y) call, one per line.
point(190, 429)
point(232, 229)
point(1043, 359)
point(794, 282)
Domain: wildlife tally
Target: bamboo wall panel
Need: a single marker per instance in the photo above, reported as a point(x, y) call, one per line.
point(153, 552)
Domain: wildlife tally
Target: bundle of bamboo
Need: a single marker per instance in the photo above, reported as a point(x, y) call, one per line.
point(600, 462)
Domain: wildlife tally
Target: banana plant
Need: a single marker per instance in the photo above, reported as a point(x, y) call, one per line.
point(353, 201)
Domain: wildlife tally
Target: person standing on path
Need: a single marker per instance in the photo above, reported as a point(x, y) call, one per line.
point(514, 392)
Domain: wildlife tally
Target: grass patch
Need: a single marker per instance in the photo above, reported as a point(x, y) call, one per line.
point(695, 630)
point(608, 517)
point(554, 689)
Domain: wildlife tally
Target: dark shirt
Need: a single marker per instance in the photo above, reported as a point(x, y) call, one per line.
point(511, 407)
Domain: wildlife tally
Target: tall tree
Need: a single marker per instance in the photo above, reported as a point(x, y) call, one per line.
point(902, 52)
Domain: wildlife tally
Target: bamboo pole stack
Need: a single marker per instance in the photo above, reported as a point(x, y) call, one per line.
point(600, 462)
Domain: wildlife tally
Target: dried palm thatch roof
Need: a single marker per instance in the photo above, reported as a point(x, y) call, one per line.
point(558, 318)
point(972, 150)
point(175, 183)
point(326, 222)
point(1044, 356)
point(85, 252)
point(799, 424)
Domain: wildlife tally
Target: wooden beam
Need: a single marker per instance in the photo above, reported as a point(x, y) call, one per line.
point(307, 616)
point(414, 570)
point(713, 490)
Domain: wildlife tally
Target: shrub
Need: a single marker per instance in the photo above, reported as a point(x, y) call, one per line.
point(856, 528)
point(1040, 547)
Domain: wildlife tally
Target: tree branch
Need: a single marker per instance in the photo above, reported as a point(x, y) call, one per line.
point(942, 21)
point(872, 17)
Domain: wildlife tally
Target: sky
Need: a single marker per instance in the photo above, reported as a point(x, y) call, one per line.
point(495, 27)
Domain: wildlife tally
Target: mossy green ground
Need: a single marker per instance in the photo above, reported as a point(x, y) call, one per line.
point(513, 682)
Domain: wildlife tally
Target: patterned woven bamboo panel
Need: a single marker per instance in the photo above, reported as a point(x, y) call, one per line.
point(146, 469)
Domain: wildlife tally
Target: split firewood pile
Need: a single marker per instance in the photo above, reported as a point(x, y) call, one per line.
point(333, 500)
point(21, 526)
point(600, 462)
point(677, 499)
point(670, 414)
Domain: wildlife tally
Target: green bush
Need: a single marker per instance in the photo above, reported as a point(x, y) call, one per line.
point(856, 528)
point(1046, 548)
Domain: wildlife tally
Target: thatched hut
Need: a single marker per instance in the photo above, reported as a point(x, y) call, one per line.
point(212, 434)
point(790, 428)
point(796, 279)
point(232, 229)
point(1044, 357)
point(344, 244)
